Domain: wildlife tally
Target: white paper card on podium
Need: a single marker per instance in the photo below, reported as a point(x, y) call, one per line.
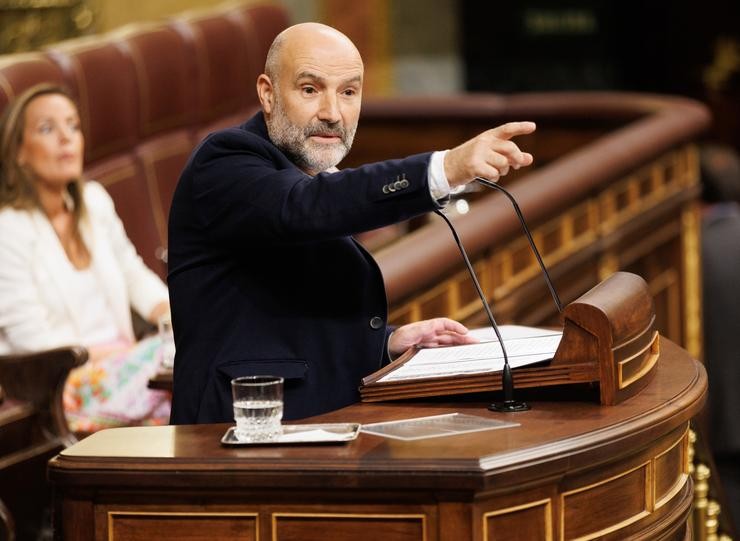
point(524, 346)
point(435, 426)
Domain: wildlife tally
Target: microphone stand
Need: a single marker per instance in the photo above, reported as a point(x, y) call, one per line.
point(508, 405)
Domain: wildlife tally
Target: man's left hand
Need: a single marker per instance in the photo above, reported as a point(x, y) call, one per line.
point(429, 333)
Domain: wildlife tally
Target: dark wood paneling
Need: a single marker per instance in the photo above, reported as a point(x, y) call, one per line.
point(190, 526)
point(570, 466)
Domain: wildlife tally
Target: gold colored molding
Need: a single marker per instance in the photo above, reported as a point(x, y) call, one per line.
point(688, 170)
point(712, 523)
point(685, 444)
point(691, 249)
point(691, 452)
point(701, 500)
point(647, 363)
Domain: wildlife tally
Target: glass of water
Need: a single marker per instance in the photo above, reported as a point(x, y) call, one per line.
point(258, 407)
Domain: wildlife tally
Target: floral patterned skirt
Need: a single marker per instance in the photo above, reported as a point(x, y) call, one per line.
point(113, 392)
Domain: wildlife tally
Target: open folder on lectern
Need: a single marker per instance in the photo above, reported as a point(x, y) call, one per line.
point(608, 338)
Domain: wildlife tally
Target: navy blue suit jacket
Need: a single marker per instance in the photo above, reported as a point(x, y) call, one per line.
point(264, 277)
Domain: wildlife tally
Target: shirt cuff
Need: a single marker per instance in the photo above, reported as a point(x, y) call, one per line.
point(439, 187)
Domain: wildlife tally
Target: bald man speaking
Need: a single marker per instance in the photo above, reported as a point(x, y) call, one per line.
point(265, 277)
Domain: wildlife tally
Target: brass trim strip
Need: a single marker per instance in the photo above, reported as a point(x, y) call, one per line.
point(684, 477)
point(648, 364)
point(691, 250)
point(675, 489)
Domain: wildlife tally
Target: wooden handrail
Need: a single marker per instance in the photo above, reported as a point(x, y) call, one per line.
point(647, 126)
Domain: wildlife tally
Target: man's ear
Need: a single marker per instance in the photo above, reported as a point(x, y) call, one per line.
point(265, 93)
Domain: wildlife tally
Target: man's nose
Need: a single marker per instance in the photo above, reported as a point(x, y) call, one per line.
point(329, 110)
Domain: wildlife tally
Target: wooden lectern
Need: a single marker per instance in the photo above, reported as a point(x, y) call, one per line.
point(609, 338)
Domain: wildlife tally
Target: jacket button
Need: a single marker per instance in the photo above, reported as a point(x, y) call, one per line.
point(376, 322)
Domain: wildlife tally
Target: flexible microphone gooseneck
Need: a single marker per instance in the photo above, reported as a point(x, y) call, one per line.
point(545, 274)
point(507, 380)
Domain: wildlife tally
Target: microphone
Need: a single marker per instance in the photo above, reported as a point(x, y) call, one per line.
point(509, 405)
point(545, 274)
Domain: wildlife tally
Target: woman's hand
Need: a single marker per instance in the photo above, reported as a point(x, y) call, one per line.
point(163, 308)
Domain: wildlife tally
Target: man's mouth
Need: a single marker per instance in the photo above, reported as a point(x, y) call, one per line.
point(326, 137)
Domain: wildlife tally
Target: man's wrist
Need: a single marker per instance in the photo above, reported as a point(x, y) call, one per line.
point(439, 187)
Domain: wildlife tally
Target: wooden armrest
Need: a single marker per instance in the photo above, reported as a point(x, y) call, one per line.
point(38, 378)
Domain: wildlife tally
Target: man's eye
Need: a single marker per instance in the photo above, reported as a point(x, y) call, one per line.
point(309, 90)
point(350, 92)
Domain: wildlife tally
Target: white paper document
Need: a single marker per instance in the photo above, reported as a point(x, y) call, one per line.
point(524, 345)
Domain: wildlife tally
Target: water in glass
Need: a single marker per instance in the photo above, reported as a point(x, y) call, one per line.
point(258, 420)
point(258, 407)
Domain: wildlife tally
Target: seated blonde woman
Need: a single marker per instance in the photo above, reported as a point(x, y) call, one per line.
point(68, 273)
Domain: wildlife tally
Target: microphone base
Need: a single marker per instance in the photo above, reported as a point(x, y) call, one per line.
point(509, 406)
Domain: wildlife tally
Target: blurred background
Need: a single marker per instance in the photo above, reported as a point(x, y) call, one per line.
point(445, 47)
point(448, 46)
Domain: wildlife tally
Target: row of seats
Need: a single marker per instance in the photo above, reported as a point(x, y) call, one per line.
point(148, 93)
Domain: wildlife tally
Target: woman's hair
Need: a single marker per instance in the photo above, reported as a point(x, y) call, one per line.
point(17, 187)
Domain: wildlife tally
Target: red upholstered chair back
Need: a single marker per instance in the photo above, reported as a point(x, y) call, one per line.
point(148, 94)
point(21, 71)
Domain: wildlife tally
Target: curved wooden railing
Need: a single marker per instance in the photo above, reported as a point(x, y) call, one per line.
point(650, 127)
point(615, 172)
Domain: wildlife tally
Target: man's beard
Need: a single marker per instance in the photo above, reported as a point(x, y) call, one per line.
point(295, 141)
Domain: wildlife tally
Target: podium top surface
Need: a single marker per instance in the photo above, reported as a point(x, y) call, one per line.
point(550, 438)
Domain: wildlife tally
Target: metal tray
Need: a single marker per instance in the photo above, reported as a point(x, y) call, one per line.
point(302, 434)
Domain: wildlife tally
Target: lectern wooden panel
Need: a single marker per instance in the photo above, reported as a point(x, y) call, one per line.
point(572, 469)
point(609, 339)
